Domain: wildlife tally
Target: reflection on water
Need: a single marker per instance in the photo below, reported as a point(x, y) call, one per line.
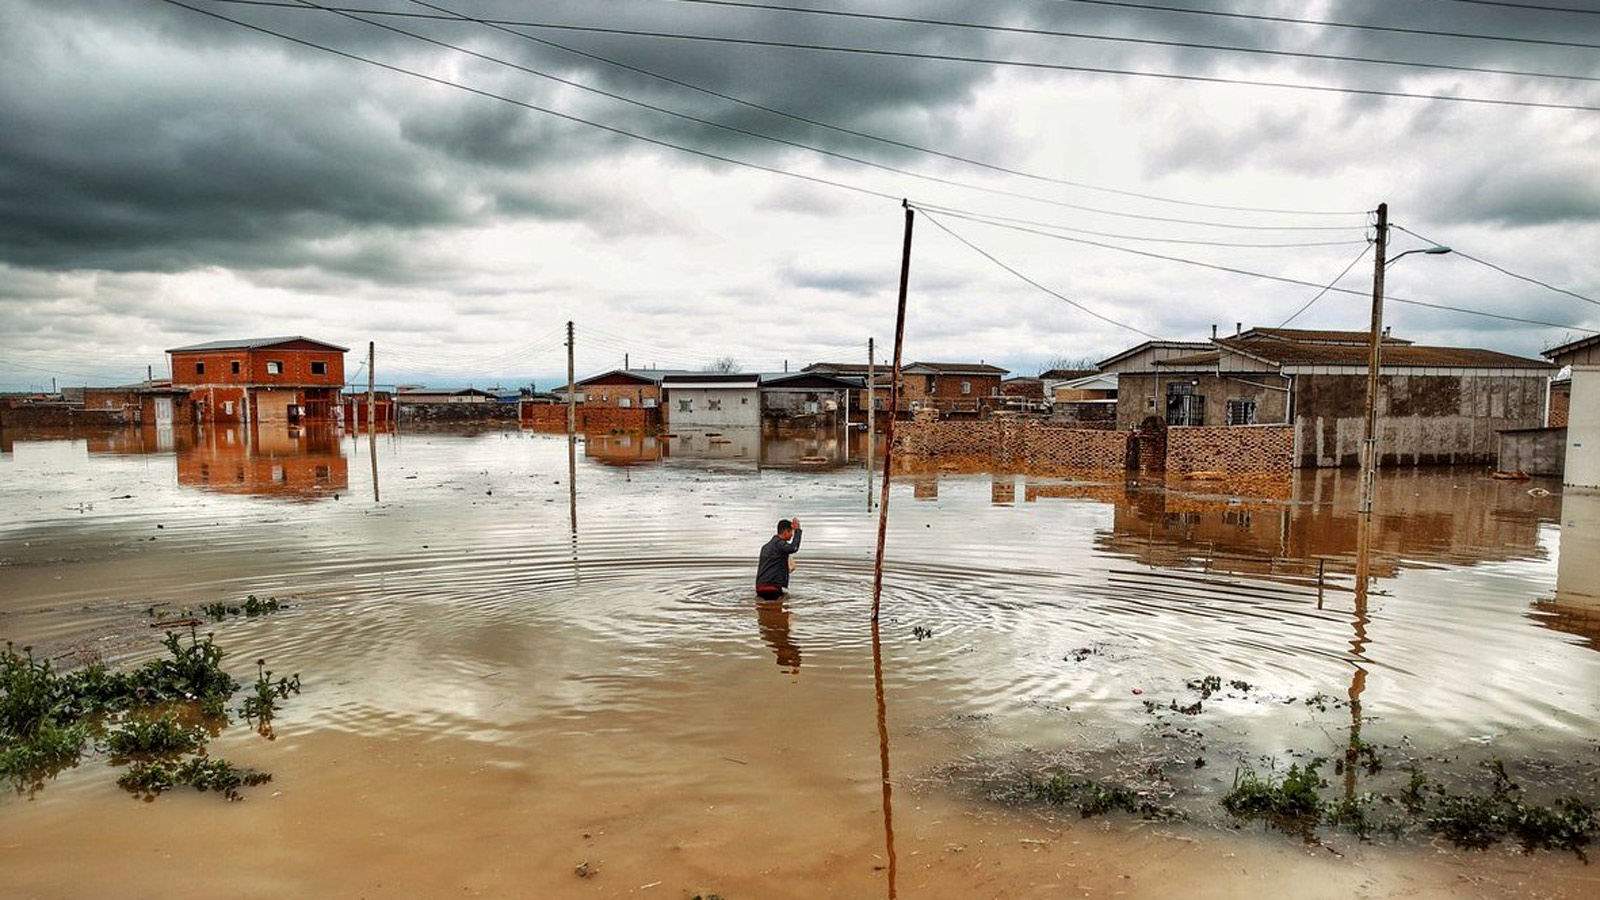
point(577, 631)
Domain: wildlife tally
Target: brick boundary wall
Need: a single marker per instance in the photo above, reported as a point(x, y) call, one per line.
point(1230, 449)
point(553, 416)
point(58, 416)
point(1023, 444)
point(457, 412)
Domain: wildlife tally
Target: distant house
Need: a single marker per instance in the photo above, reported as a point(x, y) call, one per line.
point(625, 388)
point(882, 375)
point(712, 400)
point(155, 402)
point(424, 396)
point(806, 398)
point(260, 379)
point(1089, 400)
point(1054, 378)
point(1437, 405)
point(950, 386)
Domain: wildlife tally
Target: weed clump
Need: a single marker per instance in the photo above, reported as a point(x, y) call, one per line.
point(253, 606)
point(1088, 797)
point(1292, 800)
point(48, 718)
point(203, 773)
point(259, 706)
point(160, 736)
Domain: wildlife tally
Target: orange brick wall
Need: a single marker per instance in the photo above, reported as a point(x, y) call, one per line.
point(553, 417)
point(1232, 450)
point(1016, 443)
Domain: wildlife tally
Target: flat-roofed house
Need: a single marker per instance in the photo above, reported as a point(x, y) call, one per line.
point(1582, 411)
point(260, 379)
point(708, 400)
point(950, 387)
point(806, 398)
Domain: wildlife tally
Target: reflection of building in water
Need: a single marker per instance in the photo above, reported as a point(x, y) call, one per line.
point(924, 485)
point(624, 449)
point(135, 441)
point(1575, 608)
point(269, 459)
point(739, 447)
point(1003, 490)
point(826, 448)
point(1422, 516)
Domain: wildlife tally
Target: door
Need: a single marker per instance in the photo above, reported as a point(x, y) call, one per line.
point(163, 411)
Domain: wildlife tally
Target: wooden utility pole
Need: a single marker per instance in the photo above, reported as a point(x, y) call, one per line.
point(872, 458)
point(372, 387)
point(572, 444)
point(572, 399)
point(1369, 444)
point(894, 406)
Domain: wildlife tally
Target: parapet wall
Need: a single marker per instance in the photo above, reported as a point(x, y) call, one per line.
point(1016, 443)
point(1230, 449)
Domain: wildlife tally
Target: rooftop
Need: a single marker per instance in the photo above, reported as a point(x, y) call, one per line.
point(1289, 353)
point(953, 368)
point(254, 344)
point(1312, 336)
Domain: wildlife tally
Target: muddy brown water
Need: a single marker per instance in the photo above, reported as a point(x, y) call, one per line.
point(493, 696)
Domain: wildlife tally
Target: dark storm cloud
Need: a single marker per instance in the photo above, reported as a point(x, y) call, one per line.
point(855, 283)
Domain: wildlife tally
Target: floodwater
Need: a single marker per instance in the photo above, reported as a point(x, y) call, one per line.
point(508, 672)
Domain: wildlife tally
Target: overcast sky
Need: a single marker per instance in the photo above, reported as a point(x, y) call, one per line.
point(167, 177)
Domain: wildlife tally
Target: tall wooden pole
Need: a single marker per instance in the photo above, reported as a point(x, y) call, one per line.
point(572, 441)
point(372, 385)
point(872, 419)
point(1369, 444)
point(894, 407)
point(572, 399)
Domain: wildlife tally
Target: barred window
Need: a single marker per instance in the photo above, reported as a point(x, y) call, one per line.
point(1241, 412)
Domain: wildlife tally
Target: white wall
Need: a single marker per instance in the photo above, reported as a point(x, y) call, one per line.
point(740, 407)
point(1583, 429)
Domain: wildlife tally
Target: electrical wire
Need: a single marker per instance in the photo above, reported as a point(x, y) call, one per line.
point(1531, 6)
point(309, 4)
point(1004, 63)
point(1503, 271)
point(356, 57)
point(1320, 294)
point(452, 15)
point(1136, 237)
point(1121, 39)
point(1325, 23)
point(1059, 296)
point(1278, 278)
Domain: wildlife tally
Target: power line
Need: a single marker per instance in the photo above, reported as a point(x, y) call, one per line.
point(814, 179)
point(1059, 296)
point(1326, 23)
point(1320, 294)
point(1532, 6)
point(1278, 278)
point(1135, 237)
point(1007, 63)
point(1503, 271)
point(308, 4)
point(498, 25)
point(1121, 39)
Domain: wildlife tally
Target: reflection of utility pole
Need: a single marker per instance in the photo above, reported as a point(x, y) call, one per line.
point(894, 405)
point(1358, 647)
point(572, 445)
point(1369, 444)
point(372, 432)
point(872, 459)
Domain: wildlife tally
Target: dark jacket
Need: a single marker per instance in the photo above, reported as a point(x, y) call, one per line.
point(774, 566)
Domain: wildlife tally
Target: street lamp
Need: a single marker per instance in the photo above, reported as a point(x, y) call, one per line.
point(1369, 444)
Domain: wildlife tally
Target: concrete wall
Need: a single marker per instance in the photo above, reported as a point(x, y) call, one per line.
point(734, 407)
point(1422, 420)
point(1533, 451)
point(1583, 429)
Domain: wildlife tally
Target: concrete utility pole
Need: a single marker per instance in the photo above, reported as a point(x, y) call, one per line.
point(372, 387)
point(572, 402)
point(1369, 445)
point(572, 445)
point(872, 458)
point(894, 405)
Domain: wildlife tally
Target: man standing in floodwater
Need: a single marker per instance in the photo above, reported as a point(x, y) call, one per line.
point(772, 572)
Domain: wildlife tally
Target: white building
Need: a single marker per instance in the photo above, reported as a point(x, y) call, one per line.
point(712, 400)
point(1583, 411)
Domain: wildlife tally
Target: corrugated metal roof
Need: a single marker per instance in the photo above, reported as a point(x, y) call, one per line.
point(253, 344)
point(1139, 348)
point(953, 368)
point(1286, 353)
point(1313, 336)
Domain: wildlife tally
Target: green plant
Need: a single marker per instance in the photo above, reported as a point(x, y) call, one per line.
point(1291, 799)
point(203, 773)
point(260, 705)
point(159, 736)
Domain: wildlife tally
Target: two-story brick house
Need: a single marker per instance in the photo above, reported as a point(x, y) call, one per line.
point(260, 379)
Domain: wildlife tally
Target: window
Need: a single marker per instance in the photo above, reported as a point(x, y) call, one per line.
point(713, 405)
point(200, 368)
point(744, 401)
point(966, 387)
point(1184, 406)
point(685, 406)
point(319, 368)
point(227, 407)
point(1241, 412)
point(649, 403)
point(274, 368)
point(234, 367)
point(624, 402)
